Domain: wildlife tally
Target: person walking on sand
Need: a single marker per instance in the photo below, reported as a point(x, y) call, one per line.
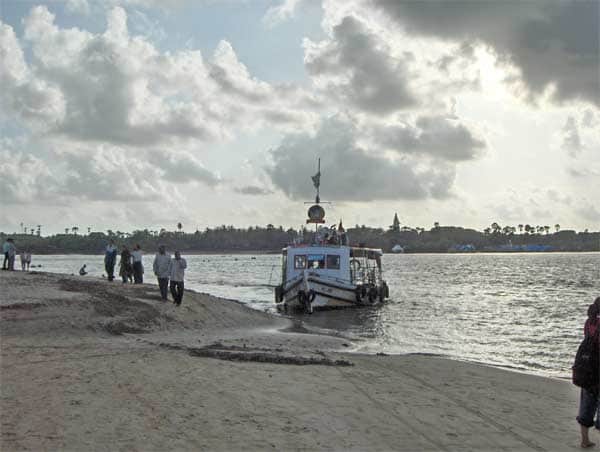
point(125, 266)
point(12, 253)
point(588, 401)
point(178, 266)
point(138, 267)
point(162, 270)
point(110, 259)
point(5, 247)
point(28, 259)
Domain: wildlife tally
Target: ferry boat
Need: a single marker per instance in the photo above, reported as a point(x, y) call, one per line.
point(327, 272)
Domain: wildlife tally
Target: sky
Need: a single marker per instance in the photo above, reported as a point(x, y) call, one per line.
point(133, 114)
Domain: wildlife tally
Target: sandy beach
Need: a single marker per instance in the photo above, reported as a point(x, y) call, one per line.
point(92, 365)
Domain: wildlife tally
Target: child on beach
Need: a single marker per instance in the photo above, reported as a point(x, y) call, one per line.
point(588, 402)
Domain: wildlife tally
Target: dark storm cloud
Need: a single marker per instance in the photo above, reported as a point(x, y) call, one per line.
point(350, 173)
point(553, 42)
point(363, 72)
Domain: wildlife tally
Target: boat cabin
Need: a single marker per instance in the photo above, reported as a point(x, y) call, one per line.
point(343, 263)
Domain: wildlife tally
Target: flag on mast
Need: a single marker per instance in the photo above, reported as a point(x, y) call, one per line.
point(317, 177)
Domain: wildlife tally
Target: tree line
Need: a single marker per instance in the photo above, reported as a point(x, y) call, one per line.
point(269, 238)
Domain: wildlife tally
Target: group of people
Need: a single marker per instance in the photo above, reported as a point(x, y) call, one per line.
point(589, 403)
point(10, 253)
point(169, 271)
point(131, 268)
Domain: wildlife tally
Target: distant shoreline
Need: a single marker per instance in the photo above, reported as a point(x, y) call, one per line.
point(277, 252)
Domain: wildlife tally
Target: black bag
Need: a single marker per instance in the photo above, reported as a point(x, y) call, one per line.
point(586, 368)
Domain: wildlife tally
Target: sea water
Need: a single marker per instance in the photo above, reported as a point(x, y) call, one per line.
point(523, 311)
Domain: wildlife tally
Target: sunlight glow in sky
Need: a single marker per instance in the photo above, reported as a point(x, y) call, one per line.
point(132, 114)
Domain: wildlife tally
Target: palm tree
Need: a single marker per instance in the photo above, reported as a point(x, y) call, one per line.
point(520, 228)
point(528, 229)
point(75, 229)
point(547, 229)
point(22, 228)
point(39, 230)
point(557, 227)
point(436, 224)
point(89, 230)
point(66, 230)
point(32, 231)
point(496, 227)
point(179, 226)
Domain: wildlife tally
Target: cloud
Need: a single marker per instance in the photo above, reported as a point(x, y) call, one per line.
point(275, 15)
point(554, 43)
point(23, 95)
point(437, 136)
point(77, 7)
point(571, 138)
point(355, 67)
point(182, 167)
point(120, 89)
point(350, 173)
point(253, 190)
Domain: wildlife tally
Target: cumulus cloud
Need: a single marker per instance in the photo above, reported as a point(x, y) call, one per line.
point(357, 68)
point(23, 95)
point(438, 136)
point(182, 167)
point(553, 43)
point(118, 88)
point(351, 173)
point(571, 138)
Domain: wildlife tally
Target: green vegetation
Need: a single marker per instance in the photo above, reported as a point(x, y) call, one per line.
point(439, 239)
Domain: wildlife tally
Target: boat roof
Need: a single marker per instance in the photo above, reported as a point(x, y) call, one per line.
point(355, 251)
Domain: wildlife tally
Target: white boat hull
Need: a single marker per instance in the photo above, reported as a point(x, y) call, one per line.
point(322, 293)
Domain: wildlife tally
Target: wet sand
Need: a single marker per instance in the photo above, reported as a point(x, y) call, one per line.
point(92, 365)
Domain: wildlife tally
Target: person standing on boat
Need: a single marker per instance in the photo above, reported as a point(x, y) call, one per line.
point(138, 267)
point(588, 402)
point(162, 270)
point(110, 259)
point(178, 266)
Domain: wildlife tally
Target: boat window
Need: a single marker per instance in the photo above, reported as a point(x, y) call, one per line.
point(316, 261)
point(333, 261)
point(299, 261)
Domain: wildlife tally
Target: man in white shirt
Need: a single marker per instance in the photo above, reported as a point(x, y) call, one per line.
point(138, 267)
point(12, 253)
point(162, 270)
point(110, 259)
point(178, 266)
